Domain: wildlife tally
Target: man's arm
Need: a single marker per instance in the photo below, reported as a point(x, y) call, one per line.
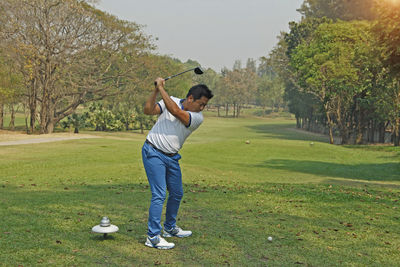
point(151, 108)
point(172, 107)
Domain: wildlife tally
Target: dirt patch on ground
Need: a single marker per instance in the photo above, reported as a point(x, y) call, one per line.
point(19, 138)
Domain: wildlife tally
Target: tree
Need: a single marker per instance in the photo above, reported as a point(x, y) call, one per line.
point(69, 53)
point(251, 65)
point(387, 30)
point(327, 67)
point(219, 99)
point(270, 92)
point(210, 78)
point(237, 65)
point(300, 32)
point(264, 84)
point(240, 86)
point(271, 87)
point(338, 9)
point(103, 119)
point(128, 105)
point(277, 65)
point(10, 90)
point(77, 121)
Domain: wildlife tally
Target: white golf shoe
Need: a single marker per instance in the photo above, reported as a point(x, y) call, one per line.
point(158, 242)
point(176, 231)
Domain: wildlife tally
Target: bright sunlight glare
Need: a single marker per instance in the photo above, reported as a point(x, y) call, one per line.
point(395, 2)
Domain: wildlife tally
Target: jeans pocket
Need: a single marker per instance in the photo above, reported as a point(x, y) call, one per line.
point(145, 151)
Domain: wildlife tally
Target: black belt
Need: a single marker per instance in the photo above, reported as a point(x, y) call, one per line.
point(159, 150)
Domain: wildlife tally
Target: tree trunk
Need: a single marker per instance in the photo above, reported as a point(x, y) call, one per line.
point(141, 128)
point(368, 130)
point(396, 139)
point(226, 110)
point(341, 123)
point(343, 129)
point(298, 123)
point(32, 120)
point(43, 117)
point(218, 107)
point(48, 117)
point(330, 135)
point(1, 116)
point(396, 133)
point(12, 118)
point(51, 118)
point(345, 136)
point(26, 119)
point(49, 127)
point(382, 131)
point(330, 125)
point(313, 126)
point(32, 106)
point(371, 138)
point(238, 111)
point(234, 110)
point(360, 128)
point(308, 124)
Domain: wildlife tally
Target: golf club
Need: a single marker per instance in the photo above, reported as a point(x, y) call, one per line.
point(196, 70)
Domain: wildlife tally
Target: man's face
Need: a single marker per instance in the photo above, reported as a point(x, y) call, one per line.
point(196, 105)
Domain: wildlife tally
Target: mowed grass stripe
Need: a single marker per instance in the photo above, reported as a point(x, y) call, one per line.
point(324, 205)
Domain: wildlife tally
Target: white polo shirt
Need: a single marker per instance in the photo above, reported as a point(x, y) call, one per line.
point(169, 133)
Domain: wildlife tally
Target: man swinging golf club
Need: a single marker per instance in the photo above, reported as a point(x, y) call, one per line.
point(178, 119)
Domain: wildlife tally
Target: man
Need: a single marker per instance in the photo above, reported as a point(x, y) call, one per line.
point(178, 119)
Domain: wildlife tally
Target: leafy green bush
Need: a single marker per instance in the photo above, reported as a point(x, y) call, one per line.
point(77, 121)
point(103, 119)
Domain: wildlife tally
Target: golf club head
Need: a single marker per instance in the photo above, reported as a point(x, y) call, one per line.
point(198, 70)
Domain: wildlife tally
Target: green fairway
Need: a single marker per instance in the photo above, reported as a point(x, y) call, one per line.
point(324, 205)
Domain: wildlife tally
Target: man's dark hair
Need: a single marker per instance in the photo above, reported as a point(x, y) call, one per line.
point(200, 90)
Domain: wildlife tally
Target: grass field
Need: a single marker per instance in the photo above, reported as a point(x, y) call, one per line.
point(324, 205)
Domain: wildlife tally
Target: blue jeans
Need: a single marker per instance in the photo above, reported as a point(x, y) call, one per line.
point(163, 173)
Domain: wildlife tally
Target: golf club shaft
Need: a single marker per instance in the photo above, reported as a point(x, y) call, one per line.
point(172, 76)
point(178, 74)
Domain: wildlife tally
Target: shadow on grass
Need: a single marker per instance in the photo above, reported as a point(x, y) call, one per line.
point(63, 220)
point(257, 210)
point(393, 151)
point(286, 131)
point(77, 203)
point(230, 222)
point(353, 183)
point(369, 172)
point(101, 238)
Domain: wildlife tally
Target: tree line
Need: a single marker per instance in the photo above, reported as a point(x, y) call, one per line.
point(337, 69)
point(340, 65)
point(59, 55)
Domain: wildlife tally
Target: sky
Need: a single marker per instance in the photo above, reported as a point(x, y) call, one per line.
point(215, 33)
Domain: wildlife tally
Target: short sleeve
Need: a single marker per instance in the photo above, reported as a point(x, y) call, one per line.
point(161, 104)
point(196, 118)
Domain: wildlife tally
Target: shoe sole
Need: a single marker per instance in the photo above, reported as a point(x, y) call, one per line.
point(152, 246)
point(180, 236)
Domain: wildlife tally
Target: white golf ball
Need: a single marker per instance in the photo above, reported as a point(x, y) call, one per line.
point(270, 238)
